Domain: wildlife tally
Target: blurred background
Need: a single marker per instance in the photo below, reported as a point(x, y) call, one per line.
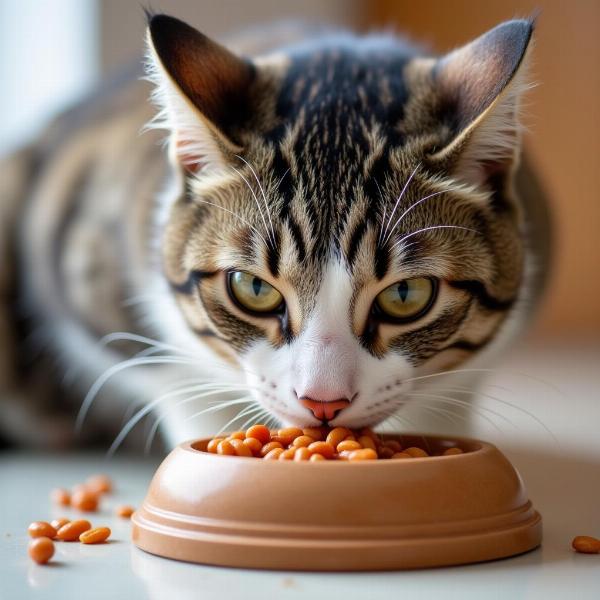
point(69, 45)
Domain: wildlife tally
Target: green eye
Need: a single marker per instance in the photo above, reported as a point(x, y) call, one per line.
point(408, 299)
point(253, 293)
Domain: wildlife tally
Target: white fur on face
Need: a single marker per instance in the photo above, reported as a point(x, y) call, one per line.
point(327, 362)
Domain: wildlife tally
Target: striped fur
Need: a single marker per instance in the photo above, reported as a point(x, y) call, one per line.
point(305, 188)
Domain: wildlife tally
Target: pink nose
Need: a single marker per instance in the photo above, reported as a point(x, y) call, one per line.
point(324, 410)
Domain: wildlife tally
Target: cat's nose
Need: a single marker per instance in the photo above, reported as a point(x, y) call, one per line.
point(324, 410)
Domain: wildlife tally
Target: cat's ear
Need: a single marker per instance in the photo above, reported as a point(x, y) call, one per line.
point(480, 87)
point(202, 90)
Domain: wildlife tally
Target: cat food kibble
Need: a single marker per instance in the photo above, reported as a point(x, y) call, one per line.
point(84, 499)
point(72, 530)
point(586, 544)
point(58, 523)
point(451, 451)
point(39, 529)
point(61, 497)
point(125, 511)
point(100, 484)
point(316, 444)
point(41, 550)
point(98, 535)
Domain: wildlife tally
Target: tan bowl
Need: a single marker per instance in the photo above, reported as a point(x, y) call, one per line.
point(338, 516)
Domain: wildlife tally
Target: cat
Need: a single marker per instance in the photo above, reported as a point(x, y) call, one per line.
point(336, 224)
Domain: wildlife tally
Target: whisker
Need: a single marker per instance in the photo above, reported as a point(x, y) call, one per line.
point(385, 234)
point(258, 233)
point(447, 414)
point(102, 379)
point(466, 406)
point(126, 430)
point(221, 405)
point(507, 403)
point(260, 187)
point(431, 228)
point(119, 336)
point(259, 413)
point(495, 371)
point(242, 413)
point(262, 216)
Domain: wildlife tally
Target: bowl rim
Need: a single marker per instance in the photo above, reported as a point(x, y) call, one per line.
point(480, 448)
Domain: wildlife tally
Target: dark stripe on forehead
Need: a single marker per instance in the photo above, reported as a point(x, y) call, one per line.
point(377, 174)
point(335, 97)
point(274, 254)
point(382, 261)
point(478, 291)
point(355, 239)
point(297, 236)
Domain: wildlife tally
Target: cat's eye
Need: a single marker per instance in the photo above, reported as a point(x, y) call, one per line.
point(253, 293)
point(408, 299)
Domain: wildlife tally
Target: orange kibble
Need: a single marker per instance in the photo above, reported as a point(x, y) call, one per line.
point(369, 433)
point(338, 443)
point(586, 544)
point(393, 445)
point(274, 454)
point(302, 441)
point(288, 434)
point(348, 445)
point(39, 529)
point(224, 447)
point(323, 448)
point(336, 435)
point(60, 496)
point(401, 455)
point(313, 432)
point(125, 511)
point(316, 457)
point(254, 444)
point(367, 442)
point(302, 453)
point(416, 452)
point(452, 451)
point(98, 535)
point(267, 448)
point(240, 448)
point(363, 454)
point(41, 550)
point(72, 530)
point(58, 523)
point(101, 484)
point(385, 452)
point(213, 444)
point(85, 500)
point(259, 432)
point(288, 454)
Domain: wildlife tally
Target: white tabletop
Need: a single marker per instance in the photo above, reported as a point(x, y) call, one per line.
point(563, 483)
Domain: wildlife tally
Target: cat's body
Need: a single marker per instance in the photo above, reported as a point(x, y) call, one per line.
point(95, 246)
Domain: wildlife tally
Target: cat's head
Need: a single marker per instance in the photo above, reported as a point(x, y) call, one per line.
point(347, 220)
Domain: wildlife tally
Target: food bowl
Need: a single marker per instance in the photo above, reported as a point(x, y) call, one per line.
point(337, 515)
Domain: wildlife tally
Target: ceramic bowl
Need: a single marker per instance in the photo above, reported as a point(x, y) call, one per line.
point(338, 515)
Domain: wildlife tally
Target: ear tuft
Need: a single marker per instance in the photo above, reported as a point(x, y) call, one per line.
point(480, 86)
point(202, 89)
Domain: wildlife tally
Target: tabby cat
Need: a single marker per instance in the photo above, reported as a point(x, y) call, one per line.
point(335, 221)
